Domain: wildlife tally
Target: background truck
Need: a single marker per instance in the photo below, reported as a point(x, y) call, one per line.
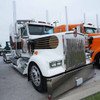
point(6, 52)
point(1, 51)
point(92, 38)
point(5, 49)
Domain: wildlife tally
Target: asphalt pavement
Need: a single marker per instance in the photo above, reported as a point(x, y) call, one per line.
point(15, 86)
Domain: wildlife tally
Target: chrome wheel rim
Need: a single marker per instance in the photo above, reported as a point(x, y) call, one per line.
point(35, 75)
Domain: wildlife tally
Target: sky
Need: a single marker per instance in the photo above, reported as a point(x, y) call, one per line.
point(36, 9)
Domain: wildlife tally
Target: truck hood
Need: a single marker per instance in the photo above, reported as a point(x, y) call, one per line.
point(39, 36)
point(93, 34)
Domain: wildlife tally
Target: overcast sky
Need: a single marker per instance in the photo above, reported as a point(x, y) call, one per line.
point(36, 9)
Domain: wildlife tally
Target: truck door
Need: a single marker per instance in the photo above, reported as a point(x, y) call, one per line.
point(24, 37)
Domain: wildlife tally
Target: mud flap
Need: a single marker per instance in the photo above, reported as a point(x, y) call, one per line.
point(60, 84)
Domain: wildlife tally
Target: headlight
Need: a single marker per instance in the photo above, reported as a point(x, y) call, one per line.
point(59, 63)
point(88, 55)
point(56, 63)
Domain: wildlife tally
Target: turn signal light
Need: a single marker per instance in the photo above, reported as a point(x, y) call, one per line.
point(36, 52)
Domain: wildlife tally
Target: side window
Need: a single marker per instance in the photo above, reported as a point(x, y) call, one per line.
point(23, 32)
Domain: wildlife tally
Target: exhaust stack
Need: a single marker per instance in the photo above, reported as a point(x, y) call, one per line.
point(47, 19)
point(97, 23)
point(66, 18)
point(84, 18)
point(14, 16)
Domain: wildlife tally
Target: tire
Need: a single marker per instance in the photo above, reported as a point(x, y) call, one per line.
point(98, 61)
point(38, 81)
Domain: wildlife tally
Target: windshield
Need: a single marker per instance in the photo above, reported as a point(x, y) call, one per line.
point(40, 30)
point(90, 30)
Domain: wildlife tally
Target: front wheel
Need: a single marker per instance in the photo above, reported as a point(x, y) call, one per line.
point(38, 81)
point(98, 61)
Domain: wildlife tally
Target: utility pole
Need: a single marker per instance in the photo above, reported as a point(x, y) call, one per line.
point(14, 16)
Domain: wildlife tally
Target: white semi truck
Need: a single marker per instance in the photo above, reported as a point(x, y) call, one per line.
point(52, 62)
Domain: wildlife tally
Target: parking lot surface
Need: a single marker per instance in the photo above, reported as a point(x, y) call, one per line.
point(14, 86)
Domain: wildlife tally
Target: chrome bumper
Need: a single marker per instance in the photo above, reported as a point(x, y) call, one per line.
point(64, 82)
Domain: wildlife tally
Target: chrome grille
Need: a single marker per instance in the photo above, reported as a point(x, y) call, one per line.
point(75, 54)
